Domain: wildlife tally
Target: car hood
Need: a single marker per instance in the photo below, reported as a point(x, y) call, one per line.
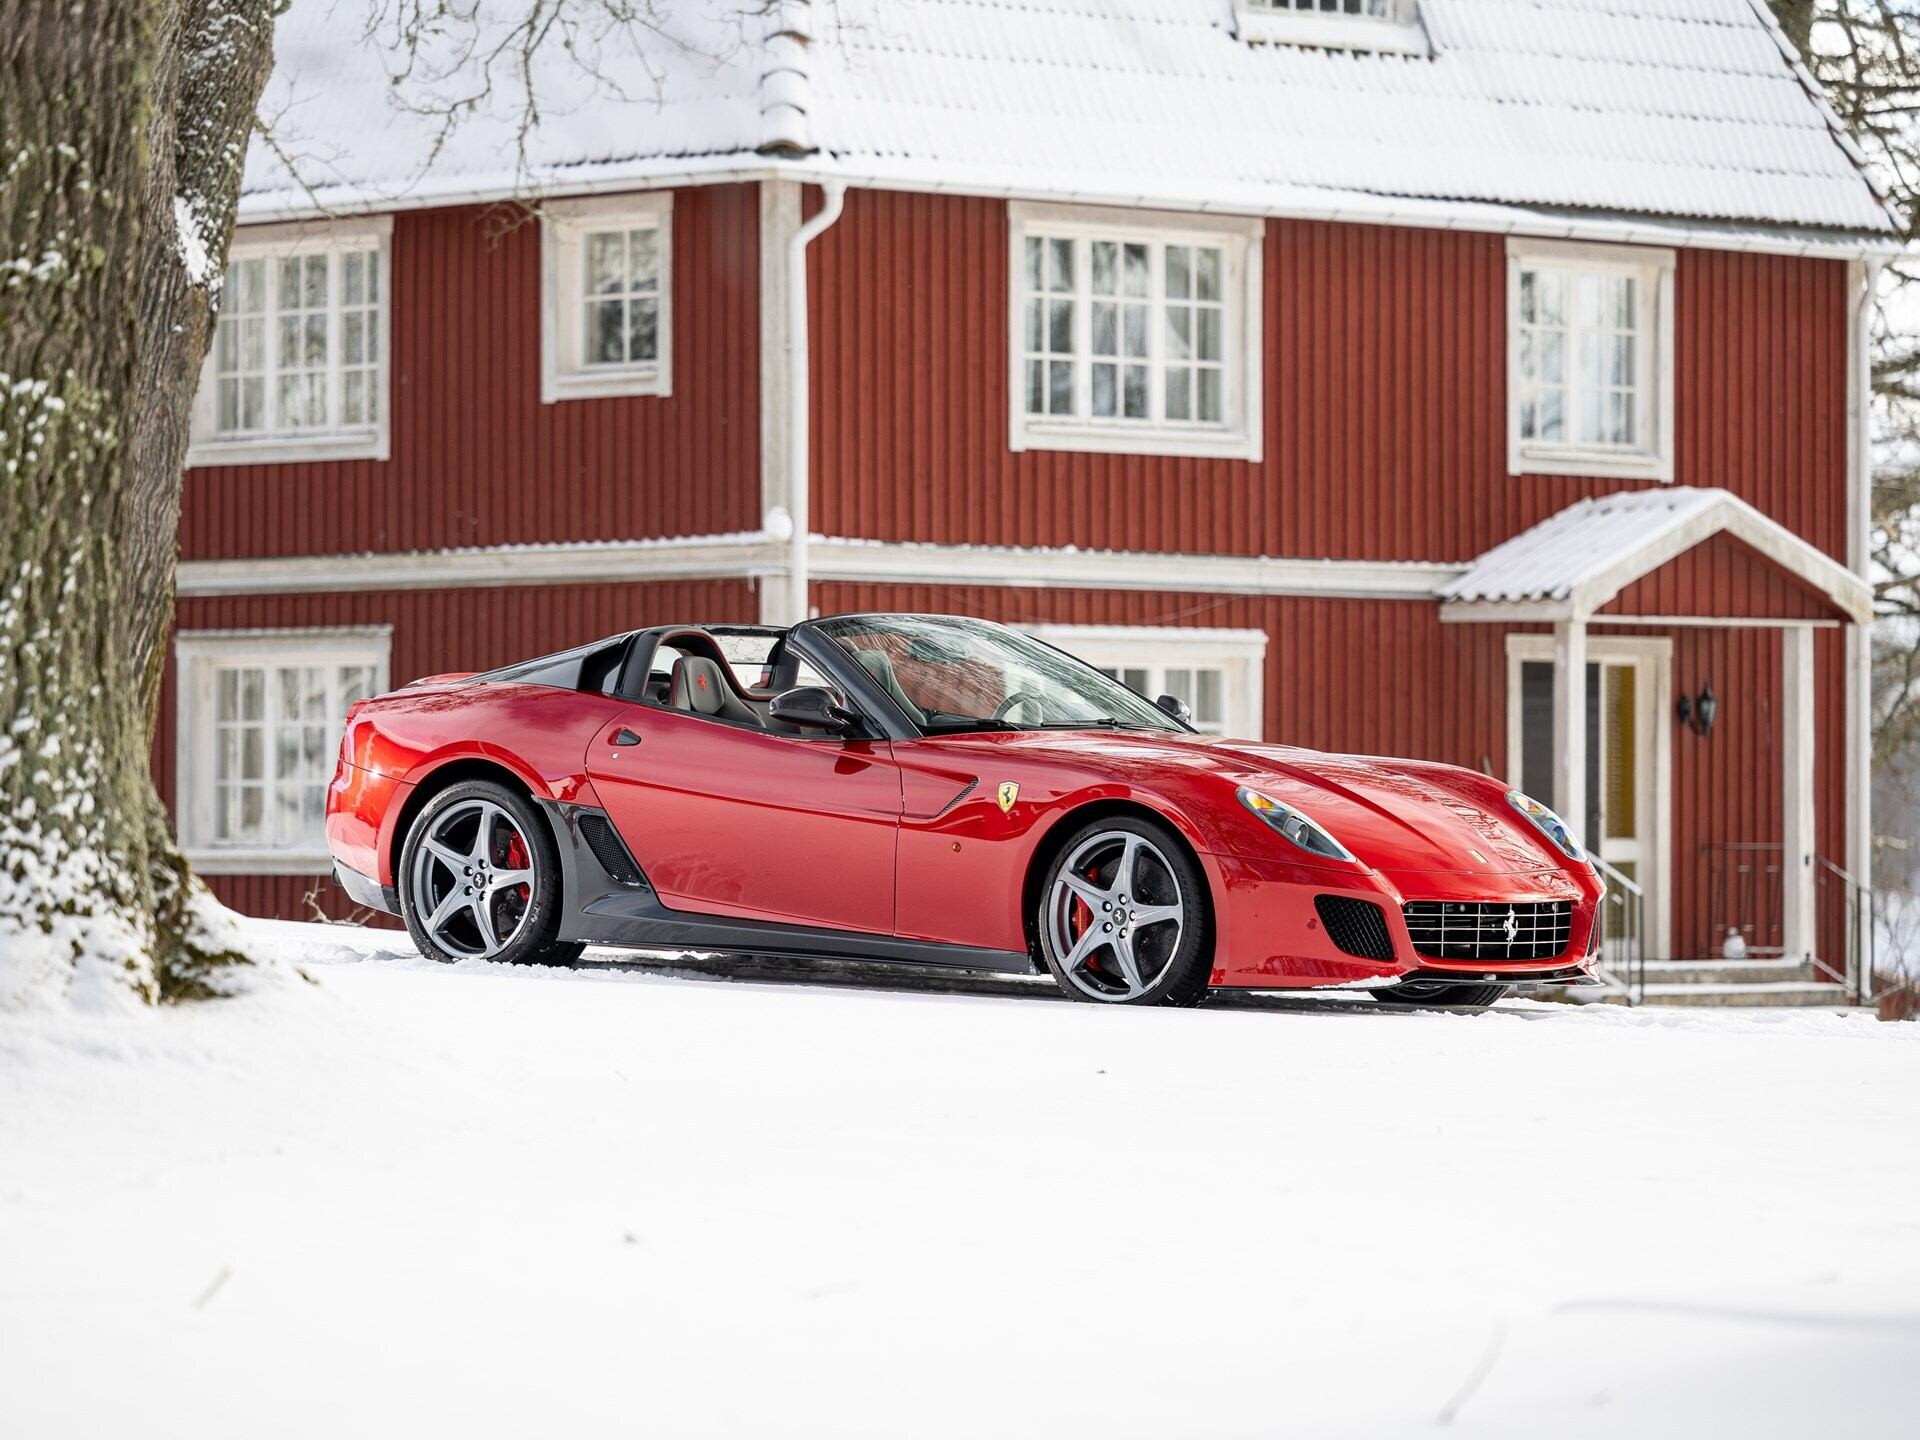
point(1393, 814)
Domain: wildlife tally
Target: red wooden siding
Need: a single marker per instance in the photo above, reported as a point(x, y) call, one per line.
point(1723, 576)
point(1385, 379)
point(436, 630)
point(1389, 678)
point(476, 458)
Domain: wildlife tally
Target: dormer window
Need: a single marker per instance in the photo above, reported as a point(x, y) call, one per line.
point(1391, 26)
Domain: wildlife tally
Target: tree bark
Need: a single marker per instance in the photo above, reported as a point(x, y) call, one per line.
point(109, 109)
point(1796, 18)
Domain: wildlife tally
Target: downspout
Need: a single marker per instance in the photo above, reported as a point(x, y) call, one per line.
point(798, 399)
point(1859, 643)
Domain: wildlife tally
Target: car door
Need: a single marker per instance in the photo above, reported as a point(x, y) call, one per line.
point(728, 820)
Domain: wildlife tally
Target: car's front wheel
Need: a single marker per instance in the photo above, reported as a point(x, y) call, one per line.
point(480, 879)
point(1124, 918)
point(1434, 992)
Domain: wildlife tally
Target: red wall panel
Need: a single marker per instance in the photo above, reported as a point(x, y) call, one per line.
point(1727, 577)
point(1385, 382)
point(476, 458)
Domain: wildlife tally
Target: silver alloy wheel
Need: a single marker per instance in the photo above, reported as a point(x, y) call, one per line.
point(1115, 916)
point(473, 878)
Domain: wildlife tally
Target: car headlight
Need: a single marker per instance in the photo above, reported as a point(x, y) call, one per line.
point(1548, 824)
point(1297, 828)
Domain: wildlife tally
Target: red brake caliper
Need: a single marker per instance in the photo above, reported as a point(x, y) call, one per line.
point(1083, 917)
point(517, 860)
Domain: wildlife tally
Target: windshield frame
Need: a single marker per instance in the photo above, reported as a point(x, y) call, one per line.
point(1124, 709)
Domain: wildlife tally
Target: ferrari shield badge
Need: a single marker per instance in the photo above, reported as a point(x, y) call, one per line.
point(1009, 792)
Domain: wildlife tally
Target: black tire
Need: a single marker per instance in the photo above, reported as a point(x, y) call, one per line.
point(1182, 974)
point(1433, 992)
point(534, 914)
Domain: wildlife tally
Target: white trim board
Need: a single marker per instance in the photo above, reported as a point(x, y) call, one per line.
point(753, 555)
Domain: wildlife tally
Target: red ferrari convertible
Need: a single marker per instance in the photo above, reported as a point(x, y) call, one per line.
point(935, 791)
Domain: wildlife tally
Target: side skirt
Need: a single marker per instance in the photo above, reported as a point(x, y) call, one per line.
point(601, 909)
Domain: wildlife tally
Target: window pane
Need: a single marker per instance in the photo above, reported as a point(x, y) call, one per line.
point(1135, 398)
point(1136, 330)
point(1179, 263)
point(606, 263)
point(1036, 387)
point(1210, 406)
point(314, 291)
point(1060, 265)
point(1036, 328)
point(644, 338)
point(606, 337)
point(1105, 390)
point(644, 259)
point(1139, 274)
point(1060, 327)
point(353, 279)
point(1106, 330)
point(1033, 263)
point(1179, 394)
point(1060, 387)
point(1207, 342)
point(1207, 265)
point(1105, 266)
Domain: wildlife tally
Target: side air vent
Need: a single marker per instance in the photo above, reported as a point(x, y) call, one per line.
point(1359, 927)
point(609, 849)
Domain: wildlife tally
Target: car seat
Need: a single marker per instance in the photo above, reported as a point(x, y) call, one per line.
point(699, 686)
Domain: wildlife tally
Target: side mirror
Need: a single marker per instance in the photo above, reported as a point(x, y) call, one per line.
point(1177, 708)
point(811, 707)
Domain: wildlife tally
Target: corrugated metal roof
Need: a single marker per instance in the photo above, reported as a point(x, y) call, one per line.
point(1577, 560)
point(1679, 108)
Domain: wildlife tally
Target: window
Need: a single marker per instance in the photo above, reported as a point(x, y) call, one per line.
point(1134, 335)
point(607, 307)
point(298, 365)
point(1380, 25)
point(1219, 673)
point(1590, 367)
point(260, 717)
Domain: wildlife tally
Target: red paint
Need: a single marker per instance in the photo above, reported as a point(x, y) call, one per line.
point(477, 459)
point(1384, 377)
point(732, 821)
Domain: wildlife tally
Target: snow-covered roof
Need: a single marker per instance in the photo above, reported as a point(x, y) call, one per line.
point(1575, 561)
point(1687, 109)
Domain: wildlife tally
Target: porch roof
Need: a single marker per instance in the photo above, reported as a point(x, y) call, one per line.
point(1574, 562)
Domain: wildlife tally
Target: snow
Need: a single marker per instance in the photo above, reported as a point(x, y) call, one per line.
point(190, 239)
point(694, 1199)
point(1672, 108)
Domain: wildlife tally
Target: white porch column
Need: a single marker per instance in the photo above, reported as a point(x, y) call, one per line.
point(1570, 724)
point(1796, 792)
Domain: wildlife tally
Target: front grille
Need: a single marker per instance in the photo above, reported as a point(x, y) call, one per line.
point(1489, 929)
point(608, 849)
point(1359, 927)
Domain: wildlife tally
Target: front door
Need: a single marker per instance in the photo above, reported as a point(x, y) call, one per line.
point(727, 820)
point(1622, 789)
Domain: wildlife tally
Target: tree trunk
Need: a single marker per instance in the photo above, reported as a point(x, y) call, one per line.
point(1796, 18)
point(107, 109)
point(211, 62)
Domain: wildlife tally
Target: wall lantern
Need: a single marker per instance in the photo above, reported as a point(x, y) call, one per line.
point(1696, 713)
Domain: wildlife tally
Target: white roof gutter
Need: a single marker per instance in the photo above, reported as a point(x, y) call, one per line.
point(1477, 217)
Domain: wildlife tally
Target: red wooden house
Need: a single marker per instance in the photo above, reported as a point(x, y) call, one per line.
point(1470, 379)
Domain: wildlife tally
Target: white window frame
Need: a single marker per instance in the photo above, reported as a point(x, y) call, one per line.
point(564, 227)
point(1399, 31)
point(1238, 437)
point(1654, 270)
point(1240, 656)
point(199, 656)
point(361, 442)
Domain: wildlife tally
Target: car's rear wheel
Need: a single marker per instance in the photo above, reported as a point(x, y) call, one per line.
point(1439, 992)
point(1124, 918)
point(480, 880)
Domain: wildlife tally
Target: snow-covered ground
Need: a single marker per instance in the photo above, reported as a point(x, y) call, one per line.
point(415, 1201)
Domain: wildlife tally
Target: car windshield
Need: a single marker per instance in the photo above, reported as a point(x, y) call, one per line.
point(950, 675)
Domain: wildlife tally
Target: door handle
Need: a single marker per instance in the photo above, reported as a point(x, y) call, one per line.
point(624, 736)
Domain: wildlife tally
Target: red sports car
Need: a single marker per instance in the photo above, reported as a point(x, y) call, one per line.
point(935, 791)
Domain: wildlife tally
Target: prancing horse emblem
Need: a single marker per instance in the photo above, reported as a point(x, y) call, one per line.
point(1009, 792)
point(1513, 926)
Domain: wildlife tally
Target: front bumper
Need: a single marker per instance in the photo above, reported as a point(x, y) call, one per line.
point(1269, 934)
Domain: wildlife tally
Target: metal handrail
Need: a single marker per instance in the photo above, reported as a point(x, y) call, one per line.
point(1623, 953)
point(1859, 942)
